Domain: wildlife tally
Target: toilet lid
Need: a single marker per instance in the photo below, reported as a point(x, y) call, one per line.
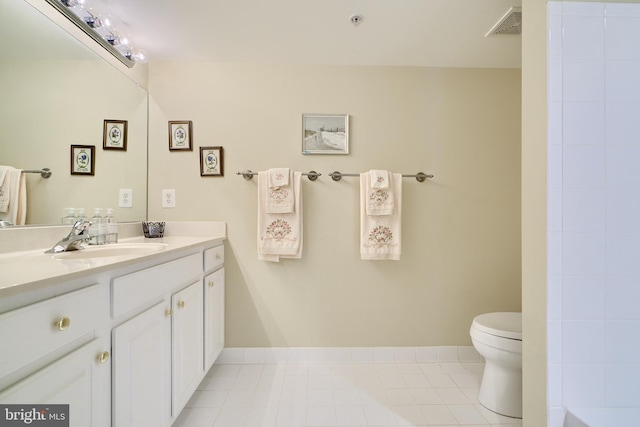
point(507, 325)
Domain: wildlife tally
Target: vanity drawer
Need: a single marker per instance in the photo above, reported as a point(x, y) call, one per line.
point(30, 333)
point(141, 288)
point(213, 258)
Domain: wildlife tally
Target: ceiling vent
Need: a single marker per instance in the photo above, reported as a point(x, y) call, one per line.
point(510, 23)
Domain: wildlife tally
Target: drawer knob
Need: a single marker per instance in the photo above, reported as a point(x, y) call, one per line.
point(103, 357)
point(63, 323)
point(218, 256)
point(168, 313)
point(181, 304)
point(211, 284)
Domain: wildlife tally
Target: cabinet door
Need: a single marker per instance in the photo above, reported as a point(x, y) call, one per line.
point(213, 317)
point(188, 354)
point(81, 379)
point(142, 369)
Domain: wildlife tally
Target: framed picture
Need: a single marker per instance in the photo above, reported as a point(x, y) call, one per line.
point(180, 135)
point(114, 136)
point(83, 159)
point(211, 161)
point(325, 134)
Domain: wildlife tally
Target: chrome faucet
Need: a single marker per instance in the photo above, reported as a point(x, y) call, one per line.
point(78, 234)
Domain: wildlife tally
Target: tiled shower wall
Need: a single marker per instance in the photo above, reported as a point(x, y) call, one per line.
point(593, 206)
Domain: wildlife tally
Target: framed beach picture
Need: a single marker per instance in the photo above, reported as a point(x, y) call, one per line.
point(83, 159)
point(211, 161)
point(325, 134)
point(180, 135)
point(115, 135)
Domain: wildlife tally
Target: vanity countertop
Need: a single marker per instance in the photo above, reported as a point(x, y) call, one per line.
point(34, 269)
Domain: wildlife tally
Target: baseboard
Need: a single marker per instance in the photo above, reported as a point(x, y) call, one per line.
point(275, 355)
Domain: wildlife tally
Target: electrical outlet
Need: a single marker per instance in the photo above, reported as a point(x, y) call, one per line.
point(168, 198)
point(125, 200)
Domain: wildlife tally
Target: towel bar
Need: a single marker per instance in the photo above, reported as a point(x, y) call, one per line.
point(45, 172)
point(420, 176)
point(248, 174)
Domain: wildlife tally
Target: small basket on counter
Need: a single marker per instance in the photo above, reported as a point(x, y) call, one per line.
point(153, 229)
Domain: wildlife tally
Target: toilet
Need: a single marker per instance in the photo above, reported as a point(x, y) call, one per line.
point(498, 338)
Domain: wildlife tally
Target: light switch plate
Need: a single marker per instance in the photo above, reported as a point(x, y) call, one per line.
point(125, 200)
point(169, 198)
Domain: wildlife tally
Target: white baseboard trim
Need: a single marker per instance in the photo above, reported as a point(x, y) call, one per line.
point(276, 355)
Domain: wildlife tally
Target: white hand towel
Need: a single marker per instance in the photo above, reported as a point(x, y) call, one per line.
point(5, 187)
point(280, 199)
point(279, 235)
point(379, 178)
point(278, 177)
point(380, 236)
point(17, 212)
point(380, 201)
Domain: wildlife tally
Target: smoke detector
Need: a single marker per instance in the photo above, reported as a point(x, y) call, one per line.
point(356, 19)
point(510, 23)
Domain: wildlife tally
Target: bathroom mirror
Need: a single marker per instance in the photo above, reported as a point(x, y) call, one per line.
point(56, 93)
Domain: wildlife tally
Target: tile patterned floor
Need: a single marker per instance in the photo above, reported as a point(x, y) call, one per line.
point(345, 395)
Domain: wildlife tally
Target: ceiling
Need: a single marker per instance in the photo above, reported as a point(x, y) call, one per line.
point(431, 33)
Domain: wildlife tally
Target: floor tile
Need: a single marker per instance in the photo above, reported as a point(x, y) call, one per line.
point(330, 394)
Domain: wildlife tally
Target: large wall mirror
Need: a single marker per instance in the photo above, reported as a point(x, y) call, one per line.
point(55, 93)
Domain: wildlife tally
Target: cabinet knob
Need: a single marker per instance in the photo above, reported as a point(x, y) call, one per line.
point(103, 357)
point(63, 323)
point(211, 283)
point(168, 313)
point(181, 304)
point(218, 256)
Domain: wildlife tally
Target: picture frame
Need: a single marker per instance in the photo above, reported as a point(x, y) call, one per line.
point(211, 161)
point(325, 134)
point(115, 135)
point(180, 135)
point(83, 159)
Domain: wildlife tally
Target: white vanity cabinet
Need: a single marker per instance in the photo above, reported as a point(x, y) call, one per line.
point(124, 346)
point(159, 352)
point(142, 369)
point(80, 379)
point(213, 317)
point(187, 345)
point(56, 352)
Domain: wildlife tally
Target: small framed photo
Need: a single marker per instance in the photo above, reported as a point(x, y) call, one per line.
point(211, 161)
point(180, 135)
point(83, 159)
point(115, 135)
point(325, 134)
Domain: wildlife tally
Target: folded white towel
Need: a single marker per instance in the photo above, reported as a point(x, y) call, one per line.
point(279, 234)
point(278, 177)
point(380, 236)
point(379, 178)
point(17, 211)
point(5, 188)
point(280, 199)
point(380, 200)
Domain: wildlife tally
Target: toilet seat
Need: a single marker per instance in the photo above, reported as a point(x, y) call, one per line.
point(504, 325)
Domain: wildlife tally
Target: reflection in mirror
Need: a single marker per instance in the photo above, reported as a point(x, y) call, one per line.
point(56, 93)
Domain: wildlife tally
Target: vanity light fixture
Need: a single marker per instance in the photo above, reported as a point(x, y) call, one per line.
point(101, 28)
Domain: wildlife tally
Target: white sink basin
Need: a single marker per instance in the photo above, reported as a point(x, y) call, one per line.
point(112, 250)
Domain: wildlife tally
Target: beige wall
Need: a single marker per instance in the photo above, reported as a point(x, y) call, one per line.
point(534, 225)
point(461, 230)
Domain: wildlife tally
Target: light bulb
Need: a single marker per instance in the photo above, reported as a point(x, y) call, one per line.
point(124, 40)
point(140, 56)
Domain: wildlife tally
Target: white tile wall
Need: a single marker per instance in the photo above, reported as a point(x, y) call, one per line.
point(593, 206)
